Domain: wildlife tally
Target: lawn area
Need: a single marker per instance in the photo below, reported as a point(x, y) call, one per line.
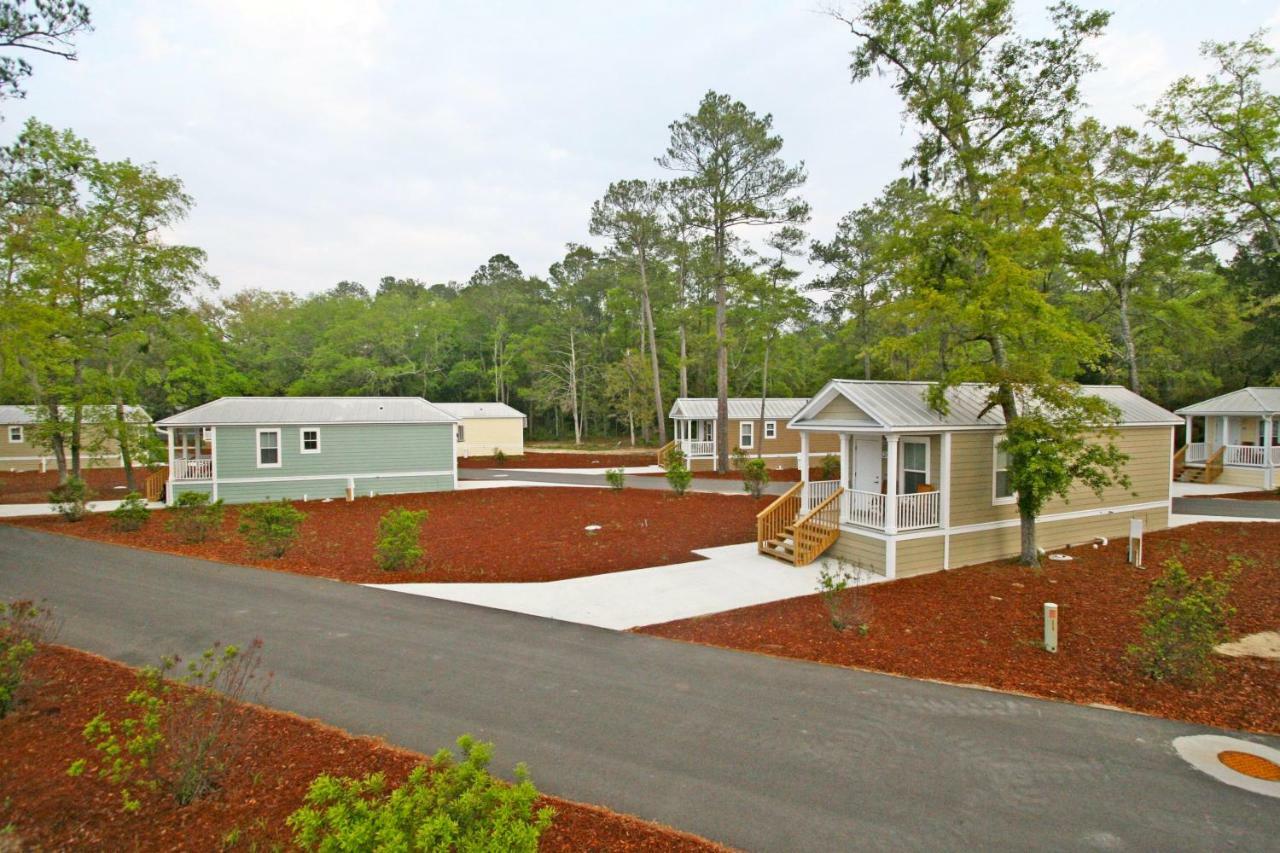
point(564, 459)
point(32, 487)
point(476, 535)
point(48, 810)
point(983, 625)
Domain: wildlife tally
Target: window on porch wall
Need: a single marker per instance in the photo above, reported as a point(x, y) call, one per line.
point(915, 466)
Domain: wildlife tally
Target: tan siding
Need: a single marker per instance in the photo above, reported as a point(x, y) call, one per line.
point(483, 435)
point(99, 451)
point(862, 551)
point(787, 442)
point(984, 545)
point(841, 409)
point(918, 556)
point(1242, 477)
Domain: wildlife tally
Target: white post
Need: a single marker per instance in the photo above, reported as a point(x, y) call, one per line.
point(1188, 441)
point(891, 485)
point(804, 471)
point(1050, 627)
point(1224, 437)
point(846, 467)
point(168, 489)
point(1269, 472)
point(944, 486)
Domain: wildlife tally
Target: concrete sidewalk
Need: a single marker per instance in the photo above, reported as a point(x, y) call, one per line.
point(20, 510)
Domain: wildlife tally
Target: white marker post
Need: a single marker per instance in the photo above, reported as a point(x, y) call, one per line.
point(1051, 627)
point(1135, 541)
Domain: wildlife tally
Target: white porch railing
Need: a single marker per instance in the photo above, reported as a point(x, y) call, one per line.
point(919, 510)
point(818, 491)
point(193, 469)
point(698, 448)
point(865, 509)
point(1237, 454)
point(1197, 452)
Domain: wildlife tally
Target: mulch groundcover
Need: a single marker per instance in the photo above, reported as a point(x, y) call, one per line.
point(984, 625)
point(579, 459)
point(778, 475)
point(49, 810)
point(33, 487)
point(1272, 495)
point(475, 535)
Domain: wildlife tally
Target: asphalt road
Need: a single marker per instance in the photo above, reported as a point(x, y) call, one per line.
point(752, 751)
point(1227, 507)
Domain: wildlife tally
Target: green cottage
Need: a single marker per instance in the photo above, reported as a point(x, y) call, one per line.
point(251, 449)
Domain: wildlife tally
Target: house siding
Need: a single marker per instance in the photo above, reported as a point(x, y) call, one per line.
point(98, 450)
point(1004, 542)
point(1232, 476)
point(484, 435)
point(178, 487)
point(919, 556)
point(866, 552)
point(841, 408)
point(783, 451)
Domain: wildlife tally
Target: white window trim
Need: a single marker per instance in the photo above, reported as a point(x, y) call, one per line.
point(22, 434)
point(902, 461)
point(997, 500)
point(770, 429)
point(258, 448)
point(461, 432)
point(302, 444)
point(746, 435)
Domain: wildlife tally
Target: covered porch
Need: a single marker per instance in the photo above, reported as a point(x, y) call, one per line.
point(1219, 444)
point(190, 453)
point(696, 437)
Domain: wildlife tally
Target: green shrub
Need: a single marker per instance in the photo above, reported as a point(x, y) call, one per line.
point(616, 478)
point(679, 477)
point(830, 467)
point(449, 806)
point(131, 514)
point(68, 499)
point(499, 458)
point(399, 539)
point(755, 476)
point(23, 627)
point(271, 528)
point(675, 456)
point(839, 586)
point(194, 517)
point(1182, 620)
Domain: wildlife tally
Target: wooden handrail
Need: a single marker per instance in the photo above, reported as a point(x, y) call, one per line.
point(1213, 465)
point(818, 530)
point(771, 520)
point(791, 492)
point(665, 450)
point(153, 486)
point(1180, 462)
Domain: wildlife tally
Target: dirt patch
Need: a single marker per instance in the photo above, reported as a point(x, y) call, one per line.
point(1272, 495)
point(49, 810)
point(983, 625)
point(564, 459)
point(1264, 644)
point(33, 487)
point(476, 535)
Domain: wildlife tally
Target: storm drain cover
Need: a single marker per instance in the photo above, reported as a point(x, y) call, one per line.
point(1237, 762)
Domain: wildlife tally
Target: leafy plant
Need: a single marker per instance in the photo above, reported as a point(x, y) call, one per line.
point(499, 458)
point(675, 456)
point(616, 478)
point(131, 514)
point(271, 528)
point(68, 499)
point(399, 539)
point(839, 586)
point(194, 517)
point(1183, 618)
point(23, 627)
point(830, 467)
point(755, 476)
point(448, 806)
point(184, 733)
point(679, 477)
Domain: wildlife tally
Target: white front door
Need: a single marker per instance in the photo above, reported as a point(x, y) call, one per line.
point(866, 465)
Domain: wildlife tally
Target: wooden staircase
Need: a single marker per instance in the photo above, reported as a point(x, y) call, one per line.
point(153, 486)
point(1211, 471)
point(664, 452)
point(784, 533)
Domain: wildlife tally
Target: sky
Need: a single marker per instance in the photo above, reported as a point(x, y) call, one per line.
point(330, 140)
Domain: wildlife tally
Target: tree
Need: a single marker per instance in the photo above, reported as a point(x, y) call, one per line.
point(42, 26)
point(731, 176)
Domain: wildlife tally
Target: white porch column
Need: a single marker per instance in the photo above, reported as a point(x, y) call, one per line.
point(846, 466)
point(804, 471)
point(891, 485)
point(1188, 441)
point(1269, 475)
point(944, 485)
point(168, 491)
point(1224, 434)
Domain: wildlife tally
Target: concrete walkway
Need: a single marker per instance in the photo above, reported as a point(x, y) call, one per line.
point(587, 477)
point(730, 577)
point(19, 510)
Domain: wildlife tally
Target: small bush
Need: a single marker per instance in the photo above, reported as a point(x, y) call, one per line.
point(193, 517)
point(499, 458)
point(830, 467)
point(679, 477)
point(755, 476)
point(675, 456)
point(271, 528)
point(399, 539)
point(842, 595)
point(1182, 620)
point(449, 806)
point(131, 514)
point(616, 478)
point(23, 627)
point(68, 499)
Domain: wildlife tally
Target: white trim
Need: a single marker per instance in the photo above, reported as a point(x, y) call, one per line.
point(454, 455)
point(770, 429)
point(300, 478)
point(891, 558)
point(168, 488)
point(997, 499)
point(902, 460)
point(21, 434)
point(213, 462)
point(257, 457)
point(302, 440)
point(745, 427)
point(1008, 522)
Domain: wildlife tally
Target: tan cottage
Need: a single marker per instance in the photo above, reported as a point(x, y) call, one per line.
point(770, 437)
point(487, 427)
point(19, 450)
point(919, 491)
point(1239, 439)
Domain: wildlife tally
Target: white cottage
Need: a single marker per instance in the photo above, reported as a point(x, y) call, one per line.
point(1233, 438)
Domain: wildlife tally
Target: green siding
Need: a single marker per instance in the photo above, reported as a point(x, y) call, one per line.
point(179, 488)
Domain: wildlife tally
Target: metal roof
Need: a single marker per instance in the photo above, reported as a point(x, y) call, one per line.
point(96, 413)
point(473, 411)
point(1246, 401)
point(233, 411)
point(740, 408)
point(904, 405)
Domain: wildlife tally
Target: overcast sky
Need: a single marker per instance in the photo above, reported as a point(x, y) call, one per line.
point(325, 140)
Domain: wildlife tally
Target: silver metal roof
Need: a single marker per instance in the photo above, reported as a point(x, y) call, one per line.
point(1246, 401)
point(740, 408)
point(10, 414)
point(904, 405)
point(232, 411)
point(475, 411)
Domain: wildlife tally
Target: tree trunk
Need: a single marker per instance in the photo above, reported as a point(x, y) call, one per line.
point(647, 307)
point(77, 423)
point(57, 441)
point(684, 362)
point(573, 388)
point(764, 397)
point(722, 356)
point(1126, 336)
point(126, 452)
point(1029, 555)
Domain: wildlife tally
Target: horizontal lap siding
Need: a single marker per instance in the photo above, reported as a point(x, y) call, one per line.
point(199, 488)
point(786, 444)
point(918, 556)
point(484, 435)
point(984, 545)
point(1242, 477)
point(387, 484)
point(862, 551)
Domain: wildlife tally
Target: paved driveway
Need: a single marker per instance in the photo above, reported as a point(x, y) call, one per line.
point(753, 751)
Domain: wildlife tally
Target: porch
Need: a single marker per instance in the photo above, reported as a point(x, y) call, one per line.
point(1244, 443)
point(696, 438)
point(190, 453)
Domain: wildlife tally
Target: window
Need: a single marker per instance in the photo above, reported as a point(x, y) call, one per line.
point(462, 434)
point(915, 465)
point(770, 429)
point(268, 448)
point(310, 441)
point(15, 435)
point(1002, 492)
point(746, 435)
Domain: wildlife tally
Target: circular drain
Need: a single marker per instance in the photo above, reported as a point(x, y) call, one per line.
point(1235, 761)
point(1251, 765)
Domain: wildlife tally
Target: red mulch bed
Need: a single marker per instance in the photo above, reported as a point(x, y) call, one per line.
point(33, 487)
point(504, 534)
point(983, 625)
point(1272, 495)
point(776, 475)
point(50, 811)
point(583, 459)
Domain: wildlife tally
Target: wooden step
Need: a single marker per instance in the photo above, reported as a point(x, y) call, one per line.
point(775, 549)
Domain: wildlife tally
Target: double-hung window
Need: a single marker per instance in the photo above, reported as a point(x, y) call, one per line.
point(268, 448)
point(309, 441)
point(915, 465)
point(746, 435)
point(770, 429)
point(15, 434)
point(1002, 491)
